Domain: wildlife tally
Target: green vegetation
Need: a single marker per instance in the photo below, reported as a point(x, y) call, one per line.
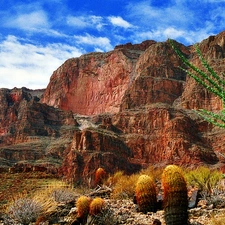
point(204, 179)
point(34, 196)
point(210, 80)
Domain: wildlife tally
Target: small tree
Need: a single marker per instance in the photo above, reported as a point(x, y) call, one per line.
point(210, 80)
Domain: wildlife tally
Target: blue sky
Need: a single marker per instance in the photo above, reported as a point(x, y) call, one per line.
point(36, 37)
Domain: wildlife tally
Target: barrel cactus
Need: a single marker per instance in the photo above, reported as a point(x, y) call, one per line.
point(145, 193)
point(96, 206)
point(100, 175)
point(83, 205)
point(175, 201)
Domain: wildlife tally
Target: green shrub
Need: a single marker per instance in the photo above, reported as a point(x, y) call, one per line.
point(204, 178)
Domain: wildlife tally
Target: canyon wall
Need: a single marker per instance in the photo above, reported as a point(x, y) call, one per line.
point(125, 109)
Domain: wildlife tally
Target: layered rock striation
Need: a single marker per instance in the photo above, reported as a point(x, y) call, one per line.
point(121, 110)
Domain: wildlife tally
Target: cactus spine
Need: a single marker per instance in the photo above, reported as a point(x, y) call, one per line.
point(96, 206)
point(175, 201)
point(100, 175)
point(82, 204)
point(145, 193)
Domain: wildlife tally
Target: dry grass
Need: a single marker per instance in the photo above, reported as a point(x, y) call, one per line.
point(28, 206)
point(217, 219)
point(124, 186)
point(14, 186)
point(156, 173)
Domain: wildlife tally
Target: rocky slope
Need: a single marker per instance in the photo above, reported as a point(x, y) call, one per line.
point(121, 110)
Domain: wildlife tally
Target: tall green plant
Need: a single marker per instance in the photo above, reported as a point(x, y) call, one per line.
point(210, 80)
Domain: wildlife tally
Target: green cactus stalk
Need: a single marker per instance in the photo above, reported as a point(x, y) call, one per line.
point(83, 205)
point(210, 80)
point(100, 175)
point(145, 193)
point(96, 206)
point(175, 202)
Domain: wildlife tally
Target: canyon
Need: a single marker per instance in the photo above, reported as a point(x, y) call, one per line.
point(126, 109)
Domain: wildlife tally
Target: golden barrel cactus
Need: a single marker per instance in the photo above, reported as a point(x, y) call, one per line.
point(83, 205)
point(145, 193)
point(175, 202)
point(100, 175)
point(96, 206)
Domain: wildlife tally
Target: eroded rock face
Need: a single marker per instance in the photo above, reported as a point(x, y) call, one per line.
point(195, 96)
point(94, 148)
point(29, 129)
point(158, 78)
point(94, 83)
point(122, 110)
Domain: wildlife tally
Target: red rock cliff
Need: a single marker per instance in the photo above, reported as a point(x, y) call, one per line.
point(94, 83)
point(125, 109)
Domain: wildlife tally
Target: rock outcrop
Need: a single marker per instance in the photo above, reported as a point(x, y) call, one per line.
point(94, 83)
point(121, 110)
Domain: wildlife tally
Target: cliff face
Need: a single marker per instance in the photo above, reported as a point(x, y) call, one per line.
point(194, 96)
point(94, 83)
point(125, 109)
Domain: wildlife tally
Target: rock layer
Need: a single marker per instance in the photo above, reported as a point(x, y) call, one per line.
point(122, 110)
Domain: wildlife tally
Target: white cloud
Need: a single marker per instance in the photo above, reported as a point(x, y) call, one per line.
point(119, 21)
point(82, 22)
point(184, 36)
point(31, 21)
point(179, 20)
point(31, 65)
point(102, 43)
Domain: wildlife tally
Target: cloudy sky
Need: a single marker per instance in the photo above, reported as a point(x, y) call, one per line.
point(36, 37)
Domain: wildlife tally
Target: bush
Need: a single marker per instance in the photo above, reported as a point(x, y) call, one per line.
point(156, 173)
point(125, 186)
point(113, 179)
point(204, 179)
point(63, 195)
point(106, 216)
point(23, 211)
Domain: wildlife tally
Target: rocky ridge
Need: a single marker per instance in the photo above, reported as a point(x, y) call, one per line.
point(121, 110)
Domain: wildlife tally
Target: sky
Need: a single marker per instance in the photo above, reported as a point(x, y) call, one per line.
point(36, 37)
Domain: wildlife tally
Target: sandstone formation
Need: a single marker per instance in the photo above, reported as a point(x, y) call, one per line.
point(121, 110)
point(94, 83)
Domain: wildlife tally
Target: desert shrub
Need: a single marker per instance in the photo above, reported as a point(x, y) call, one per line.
point(106, 216)
point(63, 195)
point(156, 173)
point(113, 179)
point(204, 178)
point(23, 211)
point(53, 193)
point(124, 186)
